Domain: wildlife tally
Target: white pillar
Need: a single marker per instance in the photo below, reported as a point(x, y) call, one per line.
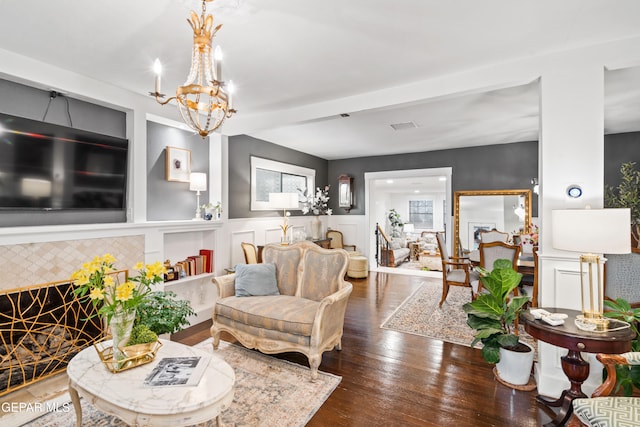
point(571, 152)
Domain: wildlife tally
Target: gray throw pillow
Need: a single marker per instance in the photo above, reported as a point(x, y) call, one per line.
point(256, 279)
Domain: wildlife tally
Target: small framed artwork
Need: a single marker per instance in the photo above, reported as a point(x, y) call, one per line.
point(178, 164)
point(475, 228)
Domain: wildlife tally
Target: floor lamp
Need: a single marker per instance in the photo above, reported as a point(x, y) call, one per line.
point(198, 183)
point(592, 232)
point(284, 201)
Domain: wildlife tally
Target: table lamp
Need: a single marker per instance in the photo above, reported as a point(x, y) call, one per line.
point(408, 229)
point(592, 232)
point(198, 183)
point(284, 201)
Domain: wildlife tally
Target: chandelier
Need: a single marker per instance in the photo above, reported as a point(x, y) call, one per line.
point(204, 101)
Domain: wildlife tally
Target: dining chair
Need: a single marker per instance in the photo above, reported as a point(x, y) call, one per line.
point(250, 253)
point(490, 252)
point(602, 409)
point(456, 271)
point(337, 241)
point(493, 236)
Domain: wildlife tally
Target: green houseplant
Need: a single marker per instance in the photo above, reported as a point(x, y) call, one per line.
point(627, 195)
point(163, 313)
point(395, 221)
point(627, 376)
point(493, 314)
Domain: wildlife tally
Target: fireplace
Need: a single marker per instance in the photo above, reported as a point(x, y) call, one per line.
point(41, 328)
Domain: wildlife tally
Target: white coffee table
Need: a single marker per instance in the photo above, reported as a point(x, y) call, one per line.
point(123, 394)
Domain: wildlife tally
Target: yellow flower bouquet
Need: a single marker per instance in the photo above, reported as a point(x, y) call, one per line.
point(97, 281)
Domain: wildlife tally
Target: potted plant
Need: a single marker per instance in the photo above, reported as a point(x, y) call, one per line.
point(493, 315)
point(627, 376)
point(627, 195)
point(395, 221)
point(163, 313)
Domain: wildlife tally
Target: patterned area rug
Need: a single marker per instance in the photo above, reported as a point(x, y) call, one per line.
point(268, 392)
point(419, 314)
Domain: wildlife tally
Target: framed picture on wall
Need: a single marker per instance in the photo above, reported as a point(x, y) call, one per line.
point(178, 164)
point(475, 228)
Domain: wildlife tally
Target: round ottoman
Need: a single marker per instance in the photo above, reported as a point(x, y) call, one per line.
point(358, 267)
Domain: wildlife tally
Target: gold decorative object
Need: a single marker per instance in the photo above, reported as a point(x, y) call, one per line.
point(591, 232)
point(41, 328)
point(137, 355)
point(204, 79)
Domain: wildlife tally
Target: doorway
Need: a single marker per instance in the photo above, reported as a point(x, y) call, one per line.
point(395, 189)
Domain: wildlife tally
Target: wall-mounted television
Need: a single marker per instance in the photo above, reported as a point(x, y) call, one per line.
point(45, 167)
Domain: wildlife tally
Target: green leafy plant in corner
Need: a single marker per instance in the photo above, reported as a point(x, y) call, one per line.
point(627, 376)
point(627, 195)
point(494, 312)
point(163, 313)
point(395, 221)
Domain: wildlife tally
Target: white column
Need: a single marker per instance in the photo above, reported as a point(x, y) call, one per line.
point(571, 152)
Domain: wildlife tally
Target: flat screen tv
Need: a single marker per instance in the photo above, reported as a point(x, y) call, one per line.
point(50, 167)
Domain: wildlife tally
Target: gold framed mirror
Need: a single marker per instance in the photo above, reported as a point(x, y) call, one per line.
point(476, 211)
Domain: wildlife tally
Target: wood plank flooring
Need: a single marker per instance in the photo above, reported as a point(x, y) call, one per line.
point(395, 379)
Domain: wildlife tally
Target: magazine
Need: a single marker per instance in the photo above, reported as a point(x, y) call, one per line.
point(178, 371)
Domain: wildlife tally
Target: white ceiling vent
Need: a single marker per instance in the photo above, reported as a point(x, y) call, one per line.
point(404, 126)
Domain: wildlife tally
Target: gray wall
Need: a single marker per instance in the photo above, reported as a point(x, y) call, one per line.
point(492, 167)
point(241, 148)
point(171, 200)
point(25, 101)
point(620, 148)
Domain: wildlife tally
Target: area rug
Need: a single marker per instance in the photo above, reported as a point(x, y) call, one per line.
point(268, 392)
point(420, 315)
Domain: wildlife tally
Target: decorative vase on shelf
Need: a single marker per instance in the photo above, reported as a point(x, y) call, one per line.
point(316, 227)
point(120, 326)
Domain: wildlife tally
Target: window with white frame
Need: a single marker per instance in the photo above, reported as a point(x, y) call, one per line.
point(421, 214)
point(270, 176)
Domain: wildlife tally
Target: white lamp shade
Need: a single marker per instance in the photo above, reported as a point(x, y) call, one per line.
point(597, 231)
point(408, 228)
point(198, 181)
point(283, 200)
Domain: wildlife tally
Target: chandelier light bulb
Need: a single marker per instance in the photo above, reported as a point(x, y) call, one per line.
point(231, 88)
point(217, 55)
point(157, 69)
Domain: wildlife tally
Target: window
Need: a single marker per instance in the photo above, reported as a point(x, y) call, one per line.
point(421, 214)
point(269, 176)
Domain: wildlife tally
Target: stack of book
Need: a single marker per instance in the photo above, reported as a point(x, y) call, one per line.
point(192, 266)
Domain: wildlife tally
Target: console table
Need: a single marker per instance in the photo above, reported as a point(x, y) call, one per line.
point(573, 365)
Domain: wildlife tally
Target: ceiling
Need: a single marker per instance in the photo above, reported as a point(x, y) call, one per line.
point(298, 65)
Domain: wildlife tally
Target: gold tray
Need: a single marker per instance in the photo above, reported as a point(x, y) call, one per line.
point(135, 357)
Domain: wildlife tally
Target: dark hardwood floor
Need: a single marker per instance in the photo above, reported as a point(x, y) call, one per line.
point(396, 379)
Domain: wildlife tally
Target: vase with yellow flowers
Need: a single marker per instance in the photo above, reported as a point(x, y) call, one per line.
point(98, 282)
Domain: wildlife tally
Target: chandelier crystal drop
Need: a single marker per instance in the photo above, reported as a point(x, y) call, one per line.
point(204, 101)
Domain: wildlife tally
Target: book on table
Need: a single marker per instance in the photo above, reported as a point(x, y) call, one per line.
point(177, 371)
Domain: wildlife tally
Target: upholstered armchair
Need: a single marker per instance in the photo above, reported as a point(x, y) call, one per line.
point(337, 241)
point(603, 410)
point(294, 301)
point(456, 271)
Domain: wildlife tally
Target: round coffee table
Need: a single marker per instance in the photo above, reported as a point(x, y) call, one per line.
point(124, 395)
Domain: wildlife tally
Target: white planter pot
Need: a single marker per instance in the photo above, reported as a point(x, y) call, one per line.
point(514, 367)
